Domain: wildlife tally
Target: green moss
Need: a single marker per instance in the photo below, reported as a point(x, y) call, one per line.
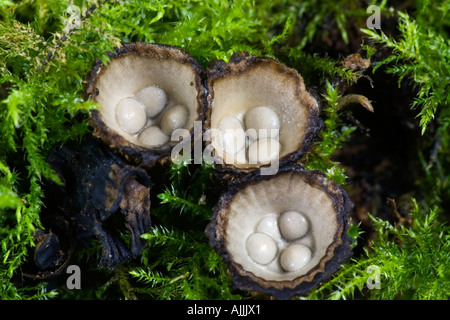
point(44, 59)
point(407, 262)
point(422, 54)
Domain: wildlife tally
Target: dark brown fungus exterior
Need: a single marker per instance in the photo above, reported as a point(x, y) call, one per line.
point(252, 93)
point(101, 197)
point(145, 92)
point(51, 256)
point(282, 234)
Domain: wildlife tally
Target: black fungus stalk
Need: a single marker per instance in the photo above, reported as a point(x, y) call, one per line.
point(101, 197)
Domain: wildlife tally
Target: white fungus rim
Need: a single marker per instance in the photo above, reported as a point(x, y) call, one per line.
point(127, 75)
point(257, 201)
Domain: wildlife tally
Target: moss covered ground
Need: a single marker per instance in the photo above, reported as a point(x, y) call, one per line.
point(394, 162)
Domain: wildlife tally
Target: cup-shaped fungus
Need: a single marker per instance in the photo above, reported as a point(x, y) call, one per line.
point(145, 93)
point(266, 105)
point(282, 234)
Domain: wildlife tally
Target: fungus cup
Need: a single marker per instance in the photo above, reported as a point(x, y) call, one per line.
point(282, 234)
point(265, 103)
point(146, 92)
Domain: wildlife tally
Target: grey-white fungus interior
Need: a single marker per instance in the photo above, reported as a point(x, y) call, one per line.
point(160, 86)
point(296, 216)
point(258, 98)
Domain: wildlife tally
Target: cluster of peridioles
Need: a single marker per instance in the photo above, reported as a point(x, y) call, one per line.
point(148, 115)
point(258, 111)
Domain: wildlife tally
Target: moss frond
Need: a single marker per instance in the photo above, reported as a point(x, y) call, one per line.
point(421, 55)
point(409, 260)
